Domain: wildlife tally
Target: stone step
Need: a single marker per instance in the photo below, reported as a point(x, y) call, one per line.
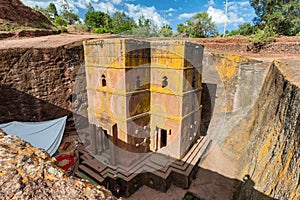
point(93, 175)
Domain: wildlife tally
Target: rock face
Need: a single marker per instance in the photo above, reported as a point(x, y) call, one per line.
point(228, 69)
point(261, 141)
point(13, 13)
point(43, 78)
point(39, 82)
point(272, 157)
point(29, 173)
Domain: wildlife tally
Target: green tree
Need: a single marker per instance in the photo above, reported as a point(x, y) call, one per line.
point(181, 28)
point(285, 19)
point(50, 12)
point(68, 15)
point(122, 23)
point(90, 8)
point(185, 28)
point(165, 31)
point(262, 37)
point(97, 20)
point(59, 21)
point(283, 16)
point(246, 29)
point(201, 25)
point(146, 28)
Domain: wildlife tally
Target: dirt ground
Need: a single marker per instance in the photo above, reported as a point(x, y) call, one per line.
point(50, 41)
point(214, 44)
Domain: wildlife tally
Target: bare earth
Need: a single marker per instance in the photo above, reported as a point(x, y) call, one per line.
point(51, 41)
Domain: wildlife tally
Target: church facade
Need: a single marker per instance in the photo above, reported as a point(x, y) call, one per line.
point(144, 95)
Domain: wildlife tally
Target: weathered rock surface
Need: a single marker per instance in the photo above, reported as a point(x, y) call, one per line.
point(281, 45)
point(38, 82)
point(13, 13)
point(266, 141)
point(42, 78)
point(273, 149)
point(29, 173)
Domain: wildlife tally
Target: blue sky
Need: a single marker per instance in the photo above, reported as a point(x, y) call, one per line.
point(171, 12)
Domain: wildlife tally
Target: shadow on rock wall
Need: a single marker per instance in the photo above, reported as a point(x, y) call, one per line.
point(208, 98)
point(210, 185)
point(19, 106)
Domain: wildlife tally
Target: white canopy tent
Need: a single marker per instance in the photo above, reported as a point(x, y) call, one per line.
point(46, 135)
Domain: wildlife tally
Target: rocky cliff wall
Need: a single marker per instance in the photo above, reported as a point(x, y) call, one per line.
point(29, 173)
point(39, 83)
point(266, 141)
point(231, 85)
point(13, 14)
point(272, 157)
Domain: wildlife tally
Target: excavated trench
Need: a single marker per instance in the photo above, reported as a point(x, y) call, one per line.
point(250, 113)
point(258, 143)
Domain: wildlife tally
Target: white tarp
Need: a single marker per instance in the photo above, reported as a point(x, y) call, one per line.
point(46, 135)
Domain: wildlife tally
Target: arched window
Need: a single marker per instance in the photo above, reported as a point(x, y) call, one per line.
point(138, 82)
point(103, 80)
point(164, 81)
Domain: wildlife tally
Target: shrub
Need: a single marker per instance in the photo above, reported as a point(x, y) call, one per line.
point(59, 21)
point(101, 30)
point(233, 33)
point(262, 37)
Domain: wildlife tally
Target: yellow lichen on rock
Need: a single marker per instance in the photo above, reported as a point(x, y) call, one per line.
point(272, 158)
point(228, 66)
point(29, 173)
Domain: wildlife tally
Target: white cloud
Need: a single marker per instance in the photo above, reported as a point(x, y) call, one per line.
point(72, 4)
point(243, 3)
point(171, 10)
point(186, 15)
point(210, 3)
point(75, 4)
point(218, 16)
point(82, 4)
point(136, 11)
point(233, 8)
point(233, 18)
point(116, 1)
point(38, 3)
point(105, 7)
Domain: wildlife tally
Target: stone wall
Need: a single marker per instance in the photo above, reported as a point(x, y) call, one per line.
point(42, 83)
point(250, 79)
point(272, 157)
point(266, 141)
